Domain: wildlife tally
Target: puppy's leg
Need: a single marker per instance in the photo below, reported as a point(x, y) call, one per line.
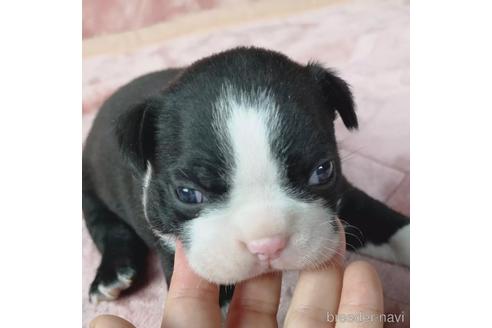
point(123, 252)
point(373, 228)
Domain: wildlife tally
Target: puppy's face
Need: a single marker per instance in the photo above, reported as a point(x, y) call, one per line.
point(243, 164)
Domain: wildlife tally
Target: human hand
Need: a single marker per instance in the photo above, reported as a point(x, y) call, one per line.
point(319, 295)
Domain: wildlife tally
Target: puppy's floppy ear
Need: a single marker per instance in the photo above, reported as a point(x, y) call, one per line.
point(135, 131)
point(338, 96)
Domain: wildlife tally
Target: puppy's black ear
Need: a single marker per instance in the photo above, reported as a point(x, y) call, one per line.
point(338, 96)
point(135, 131)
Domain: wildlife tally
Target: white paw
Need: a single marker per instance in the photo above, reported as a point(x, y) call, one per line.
point(111, 291)
point(397, 249)
point(400, 243)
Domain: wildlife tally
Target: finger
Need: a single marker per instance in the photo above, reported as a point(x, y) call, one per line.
point(317, 292)
point(361, 302)
point(192, 301)
point(339, 256)
point(109, 321)
point(255, 302)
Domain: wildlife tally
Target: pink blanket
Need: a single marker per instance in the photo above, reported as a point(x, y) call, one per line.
point(366, 41)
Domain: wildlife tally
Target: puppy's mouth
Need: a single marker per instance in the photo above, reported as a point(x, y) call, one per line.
point(263, 266)
point(287, 259)
point(229, 257)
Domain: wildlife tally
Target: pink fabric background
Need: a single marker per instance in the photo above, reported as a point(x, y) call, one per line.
point(367, 42)
point(124, 15)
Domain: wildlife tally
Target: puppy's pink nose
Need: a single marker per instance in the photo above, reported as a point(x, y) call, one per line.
point(267, 248)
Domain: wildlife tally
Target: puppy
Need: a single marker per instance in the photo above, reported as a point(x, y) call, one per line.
point(236, 156)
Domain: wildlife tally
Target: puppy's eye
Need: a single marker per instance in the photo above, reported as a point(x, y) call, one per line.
point(189, 195)
point(322, 173)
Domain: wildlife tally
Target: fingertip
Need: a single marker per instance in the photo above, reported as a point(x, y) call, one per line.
point(362, 287)
point(317, 293)
point(339, 256)
point(362, 272)
point(360, 266)
point(183, 274)
point(182, 268)
point(109, 321)
point(179, 254)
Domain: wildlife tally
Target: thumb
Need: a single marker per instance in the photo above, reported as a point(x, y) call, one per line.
point(109, 321)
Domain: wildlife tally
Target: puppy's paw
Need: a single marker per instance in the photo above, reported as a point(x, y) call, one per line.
point(396, 250)
point(108, 284)
point(400, 243)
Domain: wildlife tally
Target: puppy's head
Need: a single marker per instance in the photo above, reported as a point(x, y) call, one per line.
point(238, 158)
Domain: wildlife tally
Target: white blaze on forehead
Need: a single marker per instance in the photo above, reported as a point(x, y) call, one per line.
point(253, 160)
point(251, 123)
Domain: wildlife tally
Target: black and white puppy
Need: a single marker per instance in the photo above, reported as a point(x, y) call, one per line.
point(236, 156)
